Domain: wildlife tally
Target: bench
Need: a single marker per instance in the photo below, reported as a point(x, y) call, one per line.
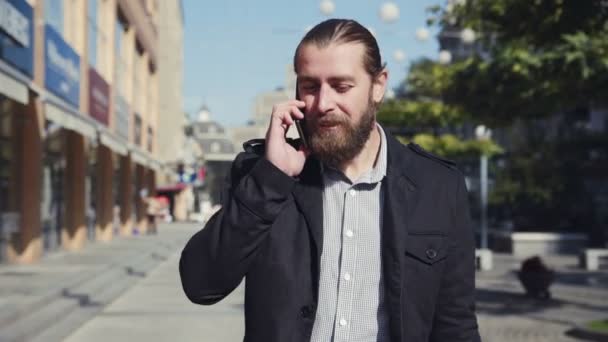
point(590, 258)
point(483, 259)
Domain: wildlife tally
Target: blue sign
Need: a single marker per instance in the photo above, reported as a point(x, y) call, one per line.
point(62, 67)
point(17, 35)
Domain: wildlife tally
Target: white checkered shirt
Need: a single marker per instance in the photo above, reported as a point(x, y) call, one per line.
point(351, 304)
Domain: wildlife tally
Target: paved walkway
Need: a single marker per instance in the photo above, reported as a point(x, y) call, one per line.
point(156, 309)
point(505, 314)
point(46, 301)
point(152, 306)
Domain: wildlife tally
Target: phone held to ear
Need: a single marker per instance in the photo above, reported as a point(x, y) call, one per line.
point(301, 123)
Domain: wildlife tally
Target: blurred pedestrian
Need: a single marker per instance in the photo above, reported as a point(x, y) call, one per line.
point(348, 236)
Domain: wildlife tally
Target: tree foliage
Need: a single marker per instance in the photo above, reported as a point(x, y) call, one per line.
point(535, 58)
point(420, 108)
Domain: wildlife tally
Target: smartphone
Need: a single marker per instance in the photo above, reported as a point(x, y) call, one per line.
point(301, 123)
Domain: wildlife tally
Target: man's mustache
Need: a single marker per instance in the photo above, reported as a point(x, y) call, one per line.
point(330, 120)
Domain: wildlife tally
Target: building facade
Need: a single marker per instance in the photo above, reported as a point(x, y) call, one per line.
point(79, 121)
point(170, 55)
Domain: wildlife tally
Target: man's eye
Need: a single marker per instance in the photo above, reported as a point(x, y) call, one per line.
point(343, 88)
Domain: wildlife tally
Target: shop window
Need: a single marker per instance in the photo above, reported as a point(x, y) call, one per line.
point(52, 204)
point(6, 156)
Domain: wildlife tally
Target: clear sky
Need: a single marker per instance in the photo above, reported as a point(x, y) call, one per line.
point(236, 49)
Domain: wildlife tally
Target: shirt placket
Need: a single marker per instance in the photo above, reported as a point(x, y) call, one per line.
point(347, 271)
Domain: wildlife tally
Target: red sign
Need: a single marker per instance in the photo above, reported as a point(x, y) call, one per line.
point(99, 98)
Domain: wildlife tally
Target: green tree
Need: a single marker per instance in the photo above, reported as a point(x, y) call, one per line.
point(420, 110)
point(536, 60)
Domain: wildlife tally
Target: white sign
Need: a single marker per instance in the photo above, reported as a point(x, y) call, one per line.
point(14, 23)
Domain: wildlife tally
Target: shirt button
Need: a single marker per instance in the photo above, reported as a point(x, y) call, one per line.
point(349, 233)
point(347, 276)
point(352, 192)
point(343, 322)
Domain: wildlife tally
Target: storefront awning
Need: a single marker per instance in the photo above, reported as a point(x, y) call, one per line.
point(144, 158)
point(138, 156)
point(113, 143)
point(220, 156)
point(68, 120)
point(171, 188)
point(156, 165)
point(13, 89)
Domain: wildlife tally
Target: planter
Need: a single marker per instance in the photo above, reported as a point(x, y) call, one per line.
point(536, 278)
point(537, 284)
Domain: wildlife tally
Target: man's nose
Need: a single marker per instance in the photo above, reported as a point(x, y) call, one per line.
point(325, 100)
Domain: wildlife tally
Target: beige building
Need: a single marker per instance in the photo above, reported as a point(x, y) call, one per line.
point(79, 123)
point(171, 139)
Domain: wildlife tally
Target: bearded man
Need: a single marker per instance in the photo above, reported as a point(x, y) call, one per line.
point(349, 237)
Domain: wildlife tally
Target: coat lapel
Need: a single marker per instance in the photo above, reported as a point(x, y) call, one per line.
point(308, 194)
point(400, 197)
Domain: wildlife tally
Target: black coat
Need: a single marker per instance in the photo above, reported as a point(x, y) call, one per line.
point(270, 230)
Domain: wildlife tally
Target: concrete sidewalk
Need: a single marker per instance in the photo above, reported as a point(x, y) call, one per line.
point(156, 310)
point(129, 290)
point(48, 300)
point(505, 314)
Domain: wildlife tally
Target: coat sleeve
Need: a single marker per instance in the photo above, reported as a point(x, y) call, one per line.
point(455, 318)
point(215, 259)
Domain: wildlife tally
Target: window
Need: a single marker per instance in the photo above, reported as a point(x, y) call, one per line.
point(92, 39)
point(97, 39)
point(139, 79)
point(137, 130)
point(120, 66)
point(150, 139)
point(93, 29)
point(53, 14)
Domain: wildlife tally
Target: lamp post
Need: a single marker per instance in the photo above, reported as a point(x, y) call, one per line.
point(483, 133)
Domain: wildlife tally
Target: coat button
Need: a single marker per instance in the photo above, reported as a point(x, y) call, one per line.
point(431, 253)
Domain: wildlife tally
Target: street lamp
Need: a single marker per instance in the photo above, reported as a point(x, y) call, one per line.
point(389, 12)
point(422, 34)
point(467, 36)
point(327, 7)
point(482, 133)
point(399, 55)
point(445, 57)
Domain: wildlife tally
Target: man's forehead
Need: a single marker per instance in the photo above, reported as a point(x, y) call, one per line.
point(335, 53)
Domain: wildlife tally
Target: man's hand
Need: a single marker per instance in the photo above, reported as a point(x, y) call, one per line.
point(278, 151)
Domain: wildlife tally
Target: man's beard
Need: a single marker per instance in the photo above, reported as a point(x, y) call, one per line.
point(335, 149)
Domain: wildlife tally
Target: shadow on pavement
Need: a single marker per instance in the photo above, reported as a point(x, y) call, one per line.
point(583, 278)
point(133, 272)
point(83, 299)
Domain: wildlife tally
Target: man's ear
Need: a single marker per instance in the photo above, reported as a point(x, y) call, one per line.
point(379, 86)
